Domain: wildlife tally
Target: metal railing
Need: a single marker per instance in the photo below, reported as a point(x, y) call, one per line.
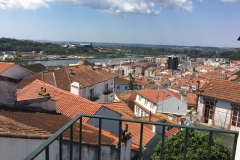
point(59, 136)
point(108, 91)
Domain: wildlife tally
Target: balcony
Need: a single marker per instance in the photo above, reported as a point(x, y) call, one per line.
point(108, 91)
point(44, 149)
point(94, 97)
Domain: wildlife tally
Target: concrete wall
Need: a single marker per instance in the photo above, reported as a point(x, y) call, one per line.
point(172, 105)
point(16, 148)
point(108, 125)
point(8, 93)
point(99, 90)
point(222, 116)
point(121, 88)
point(39, 104)
point(16, 72)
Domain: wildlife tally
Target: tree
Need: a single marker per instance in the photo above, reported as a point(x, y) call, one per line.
point(19, 60)
point(131, 82)
point(197, 147)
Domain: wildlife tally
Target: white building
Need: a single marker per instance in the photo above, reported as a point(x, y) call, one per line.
point(84, 81)
point(162, 101)
point(219, 106)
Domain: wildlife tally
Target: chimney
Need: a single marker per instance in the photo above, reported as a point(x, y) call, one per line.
point(70, 70)
point(76, 89)
point(150, 114)
point(198, 86)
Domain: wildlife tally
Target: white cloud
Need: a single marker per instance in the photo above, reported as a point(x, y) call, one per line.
point(229, 0)
point(117, 7)
point(25, 4)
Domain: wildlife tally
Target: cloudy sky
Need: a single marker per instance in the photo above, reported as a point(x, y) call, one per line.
point(167, 22)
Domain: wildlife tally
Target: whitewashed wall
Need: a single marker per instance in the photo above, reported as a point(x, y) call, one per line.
point(108, 125)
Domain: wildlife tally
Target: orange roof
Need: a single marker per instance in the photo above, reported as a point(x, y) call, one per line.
point(4, 66)
point(17, 123)
point(221, 89)
point(67, 103)
point(115, 106)
point(233, 77)
point(133, 128)
point(191, 99)
point(156, 95)
point(206, 67)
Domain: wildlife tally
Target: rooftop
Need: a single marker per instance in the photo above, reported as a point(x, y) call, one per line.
point(4, 66)
point(221, 89)
point(67, 103)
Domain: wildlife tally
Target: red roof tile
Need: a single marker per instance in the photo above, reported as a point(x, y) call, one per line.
point(4, 66)
point(67, 103)
point(191, 99)
point(221, 89)
point(172, 131)
point(61, 78)
point(155, 95)
point(20, 124)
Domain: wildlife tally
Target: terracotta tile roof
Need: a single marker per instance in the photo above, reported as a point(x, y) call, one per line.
point(121, 81)
point(234, 77)
point(221, 89)
point(61, 78)
point(67, 103)
point(206, 67)
point(5, 65)
point(37, 67)
point(20, 124)
point(115, 106)
point(172, 131)
point(128, 95)
point(86, 76)
point(191, 99)
point(133, 128)
point(156, 95)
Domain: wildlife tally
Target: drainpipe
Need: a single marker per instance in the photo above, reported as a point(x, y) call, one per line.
point(197, 93)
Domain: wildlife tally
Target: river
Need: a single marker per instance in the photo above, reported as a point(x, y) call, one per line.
point(74, 61)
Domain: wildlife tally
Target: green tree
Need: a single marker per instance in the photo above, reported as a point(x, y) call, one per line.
point(19, 60)
point(197, 147)
point(131, 82)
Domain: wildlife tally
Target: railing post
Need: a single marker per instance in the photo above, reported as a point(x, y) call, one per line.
point(235, 145)
point(119, 139)
point(47, 153)
point(210, 145)
point(71, 142)
point(60, 147)
point(163, 140)
point(99, 138)
point(185, 144)
point(80, 139)
point(140, 147)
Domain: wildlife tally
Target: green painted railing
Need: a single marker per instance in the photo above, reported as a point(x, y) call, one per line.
point(59, 135)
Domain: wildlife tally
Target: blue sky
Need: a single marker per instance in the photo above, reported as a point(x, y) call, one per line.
point(167, 22)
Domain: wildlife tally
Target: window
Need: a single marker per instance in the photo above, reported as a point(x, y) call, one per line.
point(137, 109)
point(142, 113)
point(91, 93)
point(126, 87)
point(151, 105)
point(106, 86)
point(208, 112)
point(118, 87)
point(146, 101)
point(236, 117)
point(139, 98)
